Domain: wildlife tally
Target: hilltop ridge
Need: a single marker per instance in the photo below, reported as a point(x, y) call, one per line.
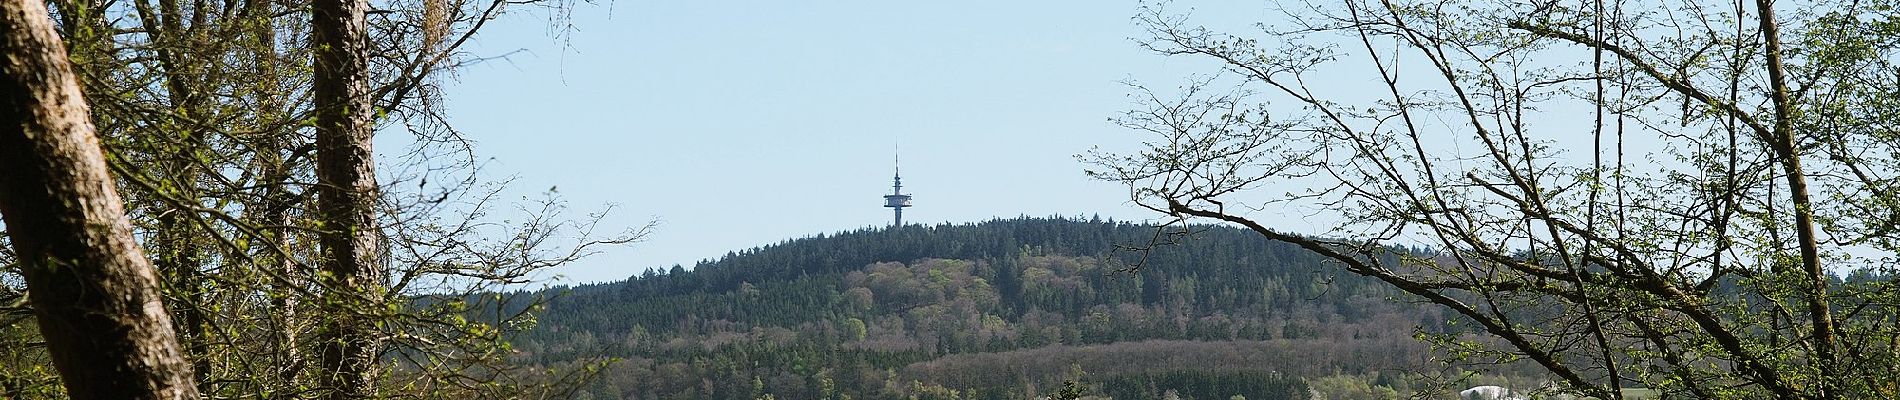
point(1007, 308)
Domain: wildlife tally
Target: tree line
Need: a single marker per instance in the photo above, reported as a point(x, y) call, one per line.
point(1002, 309)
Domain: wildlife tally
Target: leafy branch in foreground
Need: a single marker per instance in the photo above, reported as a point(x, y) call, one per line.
point(1623, 194)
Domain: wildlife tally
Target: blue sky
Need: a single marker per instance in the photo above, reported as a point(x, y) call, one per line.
point(738, 124)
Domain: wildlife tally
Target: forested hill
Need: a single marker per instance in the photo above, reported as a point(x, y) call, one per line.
point(1000, 309)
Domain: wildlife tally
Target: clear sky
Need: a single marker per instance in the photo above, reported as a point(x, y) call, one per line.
point(739, 124)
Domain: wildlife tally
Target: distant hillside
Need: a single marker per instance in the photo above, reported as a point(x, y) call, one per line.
point(1001, 309)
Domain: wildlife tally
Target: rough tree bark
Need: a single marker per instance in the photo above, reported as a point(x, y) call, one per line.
point(346, 195)
point(93, 291)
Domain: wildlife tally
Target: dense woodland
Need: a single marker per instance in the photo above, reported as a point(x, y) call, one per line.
point(1001, 309)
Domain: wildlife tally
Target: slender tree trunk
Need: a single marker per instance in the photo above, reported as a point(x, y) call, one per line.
point(278, 199)
point(1820, 316)
point(179, 258)
point(346, 195)
point(95, 295)
point(179, 261)
point(277, 202)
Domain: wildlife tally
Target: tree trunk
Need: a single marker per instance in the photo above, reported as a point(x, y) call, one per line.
point(175, 239)
point(95, 295)
point(346, 196)
point(1787, 151)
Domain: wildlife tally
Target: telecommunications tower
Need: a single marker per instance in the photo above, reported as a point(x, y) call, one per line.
point(897, 200)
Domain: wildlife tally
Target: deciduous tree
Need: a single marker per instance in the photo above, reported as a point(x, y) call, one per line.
point(208, 114)
point(1622, 193)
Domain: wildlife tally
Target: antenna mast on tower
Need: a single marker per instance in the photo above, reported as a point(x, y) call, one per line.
point(897, 200)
